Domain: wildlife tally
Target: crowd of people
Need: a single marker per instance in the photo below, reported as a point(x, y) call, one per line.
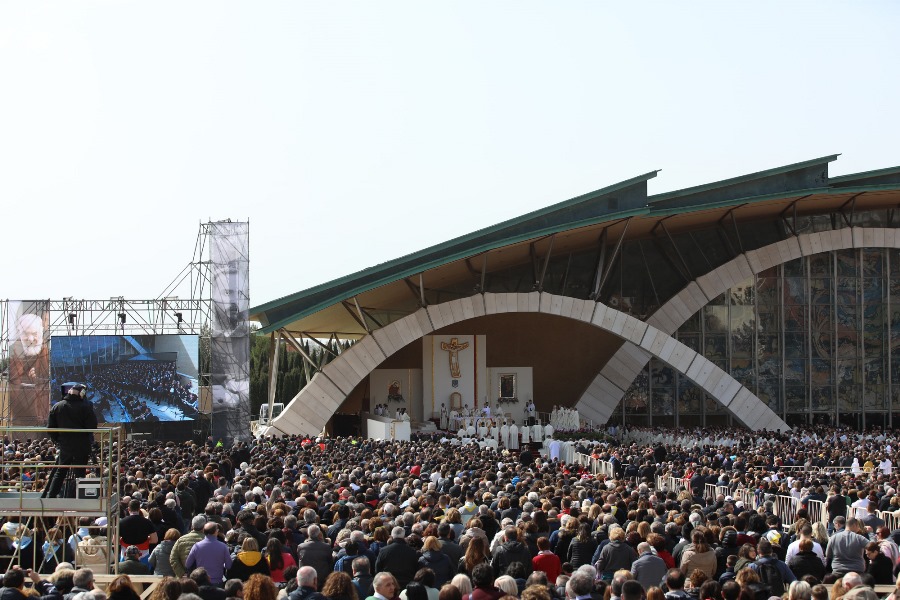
point(353, 518)
point(134, 386)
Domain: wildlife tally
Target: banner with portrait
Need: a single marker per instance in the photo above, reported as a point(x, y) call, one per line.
point(29, 363)
point(229, 252)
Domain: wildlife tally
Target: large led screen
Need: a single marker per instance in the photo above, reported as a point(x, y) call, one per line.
point(129, 377)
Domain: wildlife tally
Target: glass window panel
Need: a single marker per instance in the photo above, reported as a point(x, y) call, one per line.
point(769, 321)
point(895, 370)
point(822, 344)
point(742, 294)
point(795, 290)
point(847, 290)
point(795, 318)
point(895, 402)
point(662, 375)
point(795, 399)
point(767, 291)
point(820, 291)
point(794, 268)
point(873, 370)
point(714, 347)
point(692, 341)
point(894, 287)
point(742, 317)
point(846, 344)
point(846, 263)
point(692, 324)
point(774, 401)
point(742, 370)
point(820, 264)
point(894, 258)
point(690, 398)
point(823, 399)
point(822, 372)
point(768, 394)
point(849, 398)
point(769, 345)
point(795, 371)
point(873, 262)
point(712, 406)
point(874, 396)
point(873, 290)
point(716, 318)
point(663, 403)
point(638, 395)
point(847, 372)
point(795, 345)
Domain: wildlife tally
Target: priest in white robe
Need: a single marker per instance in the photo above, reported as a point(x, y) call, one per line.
point(537, 432)
point(445, 417)
point(504, 434)
point(548, 430)
point(514, 436)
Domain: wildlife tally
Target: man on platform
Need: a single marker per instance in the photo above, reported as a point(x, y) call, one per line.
point(72, 412)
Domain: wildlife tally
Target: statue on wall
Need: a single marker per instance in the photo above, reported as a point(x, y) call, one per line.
point(454, 348)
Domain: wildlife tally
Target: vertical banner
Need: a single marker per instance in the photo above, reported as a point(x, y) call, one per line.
point(29, 363)
point(229, 251)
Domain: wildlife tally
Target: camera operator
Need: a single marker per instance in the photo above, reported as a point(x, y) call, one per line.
point(73, 412)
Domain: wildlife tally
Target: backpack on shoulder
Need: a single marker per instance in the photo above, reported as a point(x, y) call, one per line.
point(770, 575)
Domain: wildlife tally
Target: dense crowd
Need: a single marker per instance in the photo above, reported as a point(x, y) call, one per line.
point(351, 518)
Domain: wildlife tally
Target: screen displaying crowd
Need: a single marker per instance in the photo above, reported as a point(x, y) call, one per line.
point(126, 380)
point(351, 518)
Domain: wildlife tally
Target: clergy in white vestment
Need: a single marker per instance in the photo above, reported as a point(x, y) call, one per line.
point(548, 430)
point(555, 447)
point(495, 434)
point(482, 429)
point(462, 432)
point(537, 432)
point(526, 435)
point(504, 434)
point(445, 417)
point(514, 436)
point(470, 430)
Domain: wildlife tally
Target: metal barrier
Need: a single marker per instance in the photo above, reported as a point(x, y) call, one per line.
point(891, 520)
point(712, 490)
point(748, 497)
point(786, 508)
point(817, 512)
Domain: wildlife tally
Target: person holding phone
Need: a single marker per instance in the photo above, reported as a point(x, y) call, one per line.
point(14, 585)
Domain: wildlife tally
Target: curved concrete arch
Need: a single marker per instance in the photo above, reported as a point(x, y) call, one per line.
point(616, 376)
point(311, 408)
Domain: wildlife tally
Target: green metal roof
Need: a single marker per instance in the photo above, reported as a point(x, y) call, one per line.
point(798, 179)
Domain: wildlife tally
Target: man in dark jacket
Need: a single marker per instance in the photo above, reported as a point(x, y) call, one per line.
point(398, 558)
point(72, 412)
point(512, 550)
point(14, 586)
point(448, 545)
point(315, 553)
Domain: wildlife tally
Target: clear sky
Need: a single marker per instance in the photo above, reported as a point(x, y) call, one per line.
point(350, 133)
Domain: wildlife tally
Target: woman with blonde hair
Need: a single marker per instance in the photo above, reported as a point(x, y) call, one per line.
point(799, 590)
point(462, 583)
point(507, 585)
point(437, 561)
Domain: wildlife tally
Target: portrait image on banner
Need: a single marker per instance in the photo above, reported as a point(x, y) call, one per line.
point(230, 329)
point(29, 363)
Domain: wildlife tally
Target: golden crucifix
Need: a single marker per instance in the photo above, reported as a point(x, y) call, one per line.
point(453, 348)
